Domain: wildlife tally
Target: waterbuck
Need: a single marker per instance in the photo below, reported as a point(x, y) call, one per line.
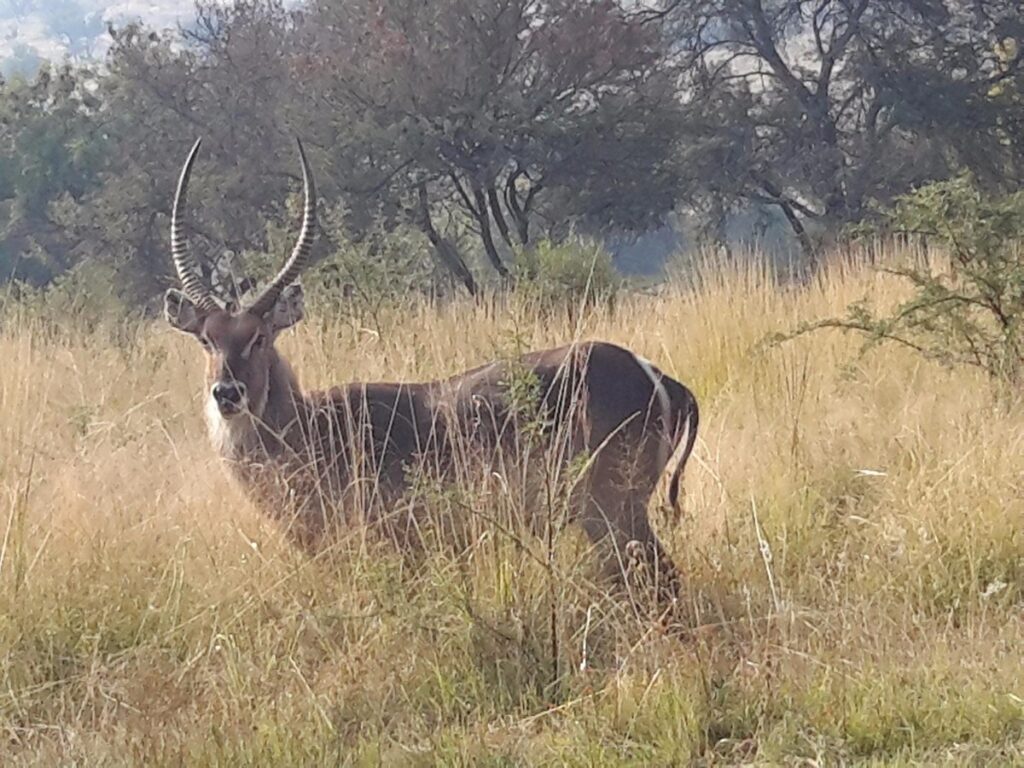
point(304, 456)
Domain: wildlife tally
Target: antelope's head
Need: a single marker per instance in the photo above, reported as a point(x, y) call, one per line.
point(238, 341)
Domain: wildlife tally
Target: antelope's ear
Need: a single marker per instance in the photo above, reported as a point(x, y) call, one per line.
point(181, 313)
point(289, 309)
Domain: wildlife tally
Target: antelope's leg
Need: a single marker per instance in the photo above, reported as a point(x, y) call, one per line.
point(614, 515)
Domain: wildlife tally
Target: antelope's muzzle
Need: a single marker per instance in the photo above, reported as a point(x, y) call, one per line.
point(230, 397)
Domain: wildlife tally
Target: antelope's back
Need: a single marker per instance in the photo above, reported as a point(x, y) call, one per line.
point(578, 395)
point(590, 389)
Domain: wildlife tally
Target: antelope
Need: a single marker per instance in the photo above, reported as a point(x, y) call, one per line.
point(295, 452)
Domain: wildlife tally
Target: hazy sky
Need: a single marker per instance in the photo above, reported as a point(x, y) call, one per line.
point(33, 29)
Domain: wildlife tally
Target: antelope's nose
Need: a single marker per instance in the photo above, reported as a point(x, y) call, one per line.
point(229, 394)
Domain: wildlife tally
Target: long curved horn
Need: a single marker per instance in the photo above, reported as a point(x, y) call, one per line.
point(186, 266)
point(300, 254)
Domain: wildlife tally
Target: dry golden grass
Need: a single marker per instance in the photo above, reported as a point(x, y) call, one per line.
point(149, 616)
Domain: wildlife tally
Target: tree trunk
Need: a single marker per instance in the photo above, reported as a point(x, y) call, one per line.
point(789, 211)
point(499, 217)
point(806, 245)
point(444, 248)
point(484, 219)
point(517, 210)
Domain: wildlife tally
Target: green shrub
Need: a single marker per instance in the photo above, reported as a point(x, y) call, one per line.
point(360, 280)
point(570, 276)
point(85, 296)
point(968, 311)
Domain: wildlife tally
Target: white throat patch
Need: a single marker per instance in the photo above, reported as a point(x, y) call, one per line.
point(232, 438)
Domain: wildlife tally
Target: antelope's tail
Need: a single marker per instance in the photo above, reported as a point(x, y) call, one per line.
point(691, 422)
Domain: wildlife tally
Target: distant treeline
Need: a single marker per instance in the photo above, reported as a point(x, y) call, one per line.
point(468, 130)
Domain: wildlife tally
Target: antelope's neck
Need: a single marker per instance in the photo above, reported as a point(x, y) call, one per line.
point(248, 439)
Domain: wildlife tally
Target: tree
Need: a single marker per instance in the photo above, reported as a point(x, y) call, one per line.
point(469, 120)
point(1006, 97)
point(508, 116)
point(971, 310)
point(50, 155)
point(824, 108)
point(226, 84)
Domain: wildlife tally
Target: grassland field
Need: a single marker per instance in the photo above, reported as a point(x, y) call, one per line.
point(852, 541)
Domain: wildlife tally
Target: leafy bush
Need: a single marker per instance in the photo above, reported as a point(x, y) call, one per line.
point(969, 310)
point(569, 276)
point(85, 296)
point(356, 279)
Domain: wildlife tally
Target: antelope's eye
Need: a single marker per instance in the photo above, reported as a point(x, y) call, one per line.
point(207, 344)
point(259, 342)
